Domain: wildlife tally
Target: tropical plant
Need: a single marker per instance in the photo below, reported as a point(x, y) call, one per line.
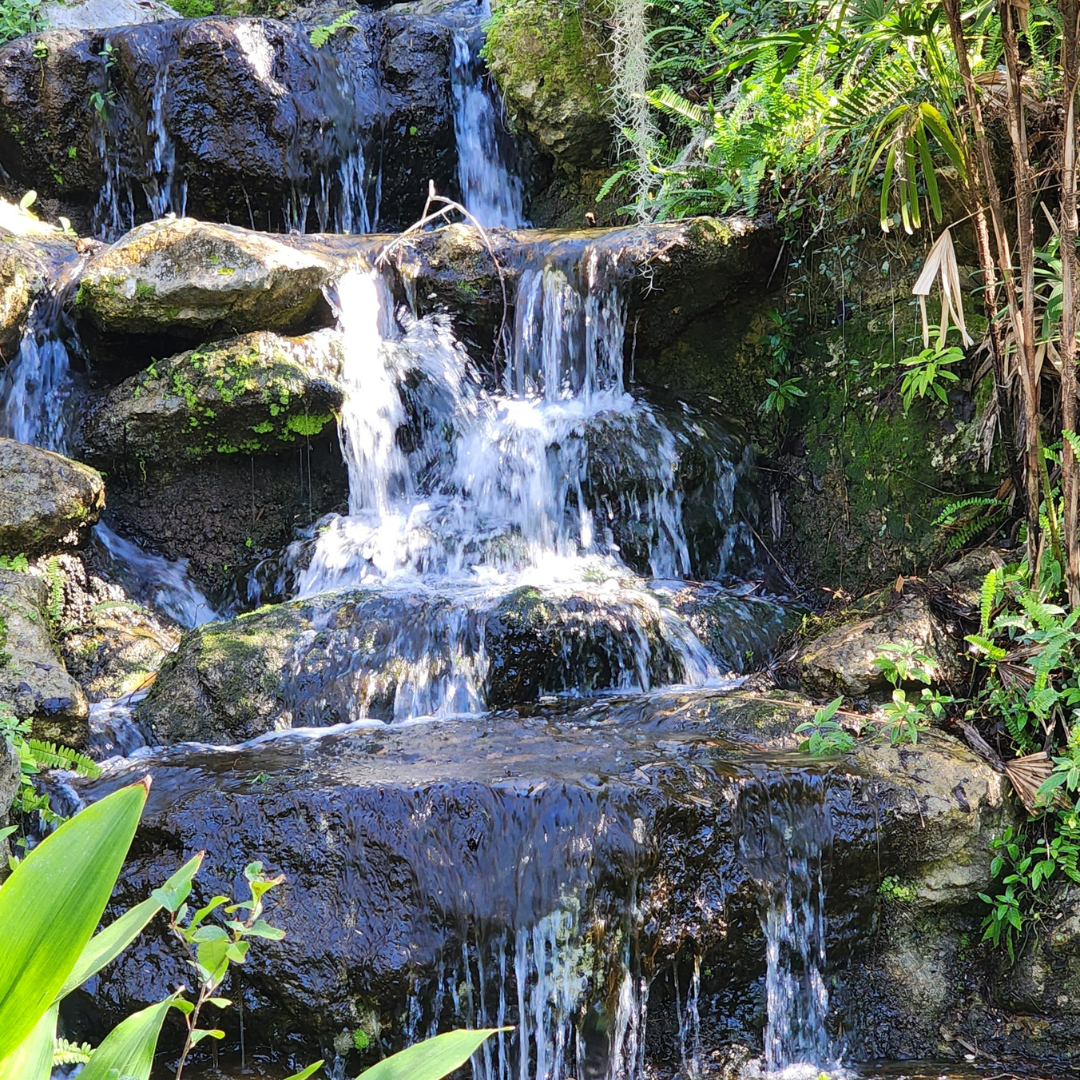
point(320, 35)
point(51, 906)
point(825, 736)
point(928, 374)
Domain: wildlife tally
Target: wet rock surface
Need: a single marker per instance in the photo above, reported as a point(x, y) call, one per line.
point(255, 394)
point(194, 279)
point(345, 654)
point(396, 842)
point(45, 498)
point(33, 679)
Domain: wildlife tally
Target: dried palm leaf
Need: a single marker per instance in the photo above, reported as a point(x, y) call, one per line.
point(1015, 676)
point(941, 262)
point(1028, 774)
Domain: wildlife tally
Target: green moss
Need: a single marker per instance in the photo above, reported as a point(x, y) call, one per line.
point(144, 290)
point(307, 425)
point(194, 9)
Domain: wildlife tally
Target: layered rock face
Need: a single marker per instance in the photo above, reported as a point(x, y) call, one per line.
point(423, 857)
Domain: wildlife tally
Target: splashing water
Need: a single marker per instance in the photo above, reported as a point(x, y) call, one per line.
point(785, 843)
point(490, 190)
point(156, 580)
point(461, 493)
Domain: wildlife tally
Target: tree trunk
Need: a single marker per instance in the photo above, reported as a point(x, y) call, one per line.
point(1070, 473)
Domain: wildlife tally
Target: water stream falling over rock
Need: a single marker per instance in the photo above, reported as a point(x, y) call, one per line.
point(786, 844)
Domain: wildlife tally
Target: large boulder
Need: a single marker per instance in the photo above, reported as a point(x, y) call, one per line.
point(103, 14)
point(639, 840)
point(253, 394)
point(550, 65)
point(33, 680)
point(198, 280)
point(842, 661)
point(347, 654)
point(45, 498)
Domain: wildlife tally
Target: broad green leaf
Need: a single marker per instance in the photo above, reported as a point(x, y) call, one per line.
point(309, 1071)
point(105, 947)
point(431, 1059)
point(32, 1059)
point(53, 902)
point(128, 1050)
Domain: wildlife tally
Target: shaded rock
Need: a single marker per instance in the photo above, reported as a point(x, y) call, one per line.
point(194, 279)
point(254, 115)
point(254, 394)
point(33, 679)
point(103, 14)
point(842, 660)
point(110, 643)
point(348, 654)
point(396, 842)
point(44, 498)
point(15, 300)
point(550, 66)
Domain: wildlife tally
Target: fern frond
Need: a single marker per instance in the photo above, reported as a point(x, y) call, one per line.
point(986, 599)
point(673, 103)
point(46, 755)
point(69, 1053)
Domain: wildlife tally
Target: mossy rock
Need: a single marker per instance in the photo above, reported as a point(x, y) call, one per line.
point(253, 394)
point(45, 498)
point(549, 62)
point(194, 279)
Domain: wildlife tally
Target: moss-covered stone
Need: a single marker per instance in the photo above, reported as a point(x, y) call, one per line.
point(253, 394)
point(549, 62)
point(195, 279)
point(44, 498)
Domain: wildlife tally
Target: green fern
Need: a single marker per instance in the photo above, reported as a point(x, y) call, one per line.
point(320, 35)
point(986, 599)
point(47, 755)
point(69, 1053)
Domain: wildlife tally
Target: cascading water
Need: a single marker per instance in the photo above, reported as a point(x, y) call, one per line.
point(490, 189)
point(785, 843)
point(461, 492)
point(35, 389)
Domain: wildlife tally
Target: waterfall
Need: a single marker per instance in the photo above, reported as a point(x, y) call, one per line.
point(786, 843)
point(36, 388)
point(490, 189)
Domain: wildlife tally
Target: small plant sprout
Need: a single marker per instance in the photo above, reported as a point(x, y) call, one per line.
point(826, 737)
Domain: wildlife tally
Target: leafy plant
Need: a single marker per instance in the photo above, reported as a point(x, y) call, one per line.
point(20, 17)
point(928, 374)
point(781, 395)
point(826, 737)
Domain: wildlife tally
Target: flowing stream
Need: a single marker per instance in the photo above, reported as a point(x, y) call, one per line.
point(537, 475)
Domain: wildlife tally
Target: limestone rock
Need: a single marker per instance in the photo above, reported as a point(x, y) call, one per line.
point(549, 65)
point(33, 679)
point(842, 660)
point(44, 497)
point(194, 279)
point(395, 843)
point(254, 394)
point(103, 14)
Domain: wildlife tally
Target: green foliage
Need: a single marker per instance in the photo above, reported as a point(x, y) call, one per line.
point(965, 519)
point(194, 9)
point(19, 17)
point(320, 35)
point(928, 373)
point(826, 737)
point(781, 395)
point(14, 562)
point(892, 888)
point(35, 755)
point(904, 663)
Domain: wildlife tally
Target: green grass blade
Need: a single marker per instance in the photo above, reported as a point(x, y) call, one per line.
point(431, 1059)
point(128, 1050)
point(53, 902)
point(105, 947)
point(32, 1059)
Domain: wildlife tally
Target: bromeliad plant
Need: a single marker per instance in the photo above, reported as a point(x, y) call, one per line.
point(51, 906)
